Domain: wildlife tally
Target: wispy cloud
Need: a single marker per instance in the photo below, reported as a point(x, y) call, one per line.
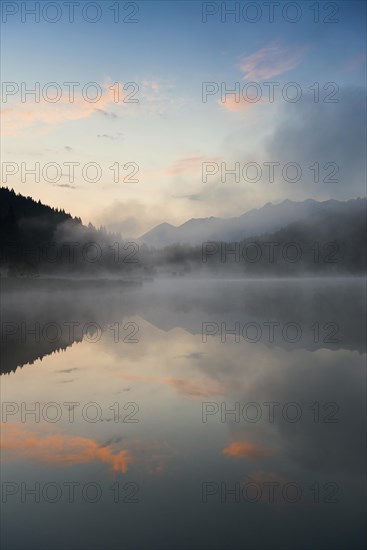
point(189, 164)
point(67, 185)
point(112, 137)
point(107, 114)
point(45, 115)
point(191, 389)
point(190, 197)
point(268, 62)
point(272, 60)
point(195, 389)
point(69, 370)
point(132, 99)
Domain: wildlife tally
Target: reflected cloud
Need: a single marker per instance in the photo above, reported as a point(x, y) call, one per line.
point(191, 389)
point(246, 450)
point(59, 449)
point(195, 389)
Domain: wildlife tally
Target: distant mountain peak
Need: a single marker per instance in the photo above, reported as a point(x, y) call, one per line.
point(165, 224)
point(266, 219)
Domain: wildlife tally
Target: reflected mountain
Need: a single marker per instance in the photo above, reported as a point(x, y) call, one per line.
point(309, 314)
point(42, 317)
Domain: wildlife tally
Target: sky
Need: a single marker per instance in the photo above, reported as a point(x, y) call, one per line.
point(148, 124)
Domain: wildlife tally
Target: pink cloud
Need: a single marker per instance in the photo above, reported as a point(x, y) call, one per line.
point(237, 106)
point(185, 165)
point(273, 60)
point(28, 116)
point(150, 96)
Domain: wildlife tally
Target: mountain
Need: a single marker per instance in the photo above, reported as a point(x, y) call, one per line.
point(329, 241)
point(36, 238)
point(21, 216)
point(268, 219)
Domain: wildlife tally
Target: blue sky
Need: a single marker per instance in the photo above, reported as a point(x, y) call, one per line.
point(169, 53)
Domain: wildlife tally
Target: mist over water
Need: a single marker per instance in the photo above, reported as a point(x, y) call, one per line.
point(188, 404)
point(182, 275)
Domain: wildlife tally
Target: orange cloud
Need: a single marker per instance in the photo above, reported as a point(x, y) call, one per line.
point(59, 449)
point(191, 389)
point(152, 96)
point(30, 114)
point(270, 61)
point(234, 106)
point(185, 165)
point(45, 113)
point(245, 450)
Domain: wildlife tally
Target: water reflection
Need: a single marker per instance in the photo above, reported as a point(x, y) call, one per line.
point(178, 429)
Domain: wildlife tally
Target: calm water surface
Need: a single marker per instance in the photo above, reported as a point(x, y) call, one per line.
point(184, 414)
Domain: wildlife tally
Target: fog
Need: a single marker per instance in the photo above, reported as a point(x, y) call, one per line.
point(266, 376)
point(294, 314)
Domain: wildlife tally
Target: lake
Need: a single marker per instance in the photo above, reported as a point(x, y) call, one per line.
point(183, 414)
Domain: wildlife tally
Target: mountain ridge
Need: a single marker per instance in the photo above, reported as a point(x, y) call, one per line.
point(268, 218)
